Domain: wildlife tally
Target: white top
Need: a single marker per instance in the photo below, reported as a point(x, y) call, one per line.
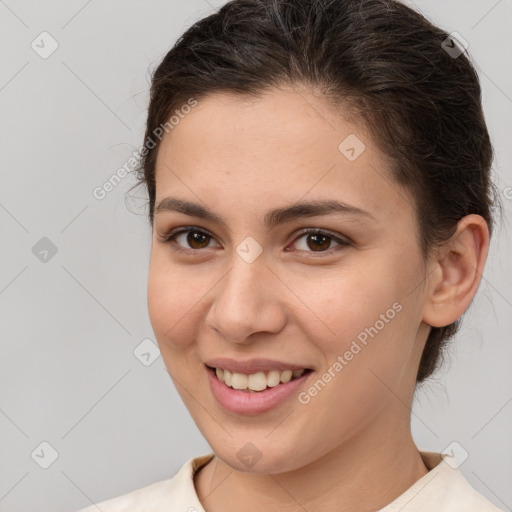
point(442, 489)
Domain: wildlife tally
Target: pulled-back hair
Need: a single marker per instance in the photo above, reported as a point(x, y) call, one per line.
point(379, 60)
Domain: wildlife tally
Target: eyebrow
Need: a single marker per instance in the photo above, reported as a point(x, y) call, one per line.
point(272, 217)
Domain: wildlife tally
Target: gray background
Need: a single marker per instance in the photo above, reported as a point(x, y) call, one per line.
point(69, 326)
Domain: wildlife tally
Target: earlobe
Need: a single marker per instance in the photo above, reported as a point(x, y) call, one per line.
point(456, 271)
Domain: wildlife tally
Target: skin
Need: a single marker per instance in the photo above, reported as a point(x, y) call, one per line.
point(352, 442)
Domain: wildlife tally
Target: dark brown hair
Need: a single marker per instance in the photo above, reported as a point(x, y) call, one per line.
point(378, 59)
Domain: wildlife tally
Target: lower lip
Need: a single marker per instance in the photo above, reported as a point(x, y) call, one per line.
point(245, 402)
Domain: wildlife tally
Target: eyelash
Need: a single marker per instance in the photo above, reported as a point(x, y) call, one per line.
point(170, 239)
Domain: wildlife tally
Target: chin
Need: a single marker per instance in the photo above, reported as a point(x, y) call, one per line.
point(248, 458)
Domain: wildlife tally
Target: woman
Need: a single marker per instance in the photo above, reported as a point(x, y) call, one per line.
point(320, 200)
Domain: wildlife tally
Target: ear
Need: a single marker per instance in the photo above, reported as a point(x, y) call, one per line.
point(455, 271)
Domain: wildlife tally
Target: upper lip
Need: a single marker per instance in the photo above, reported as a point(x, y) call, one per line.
point(252, 365)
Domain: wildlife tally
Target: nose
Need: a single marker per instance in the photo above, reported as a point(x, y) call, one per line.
point(247, 301)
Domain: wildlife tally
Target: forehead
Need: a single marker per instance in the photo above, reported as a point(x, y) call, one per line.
point(275, 149)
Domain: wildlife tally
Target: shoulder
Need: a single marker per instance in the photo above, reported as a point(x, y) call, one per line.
point(178, 491)
point(444, 489)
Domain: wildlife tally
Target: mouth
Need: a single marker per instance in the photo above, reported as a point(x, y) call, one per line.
point(256, 382)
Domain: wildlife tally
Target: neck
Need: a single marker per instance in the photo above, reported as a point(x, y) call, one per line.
point(364, 474)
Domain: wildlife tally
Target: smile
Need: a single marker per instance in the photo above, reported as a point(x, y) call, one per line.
point(257, 381)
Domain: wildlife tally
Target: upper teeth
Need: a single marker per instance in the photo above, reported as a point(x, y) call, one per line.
point(256, 381)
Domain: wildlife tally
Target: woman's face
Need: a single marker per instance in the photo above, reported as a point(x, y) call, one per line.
point(346, 303)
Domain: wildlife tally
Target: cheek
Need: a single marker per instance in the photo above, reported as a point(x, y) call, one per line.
point(365, 315)
point(346, 301)
point(174, 303)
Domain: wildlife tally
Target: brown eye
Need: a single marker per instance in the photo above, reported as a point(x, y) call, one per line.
point(197, 239)
point(316, 240)
point(188, 239)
